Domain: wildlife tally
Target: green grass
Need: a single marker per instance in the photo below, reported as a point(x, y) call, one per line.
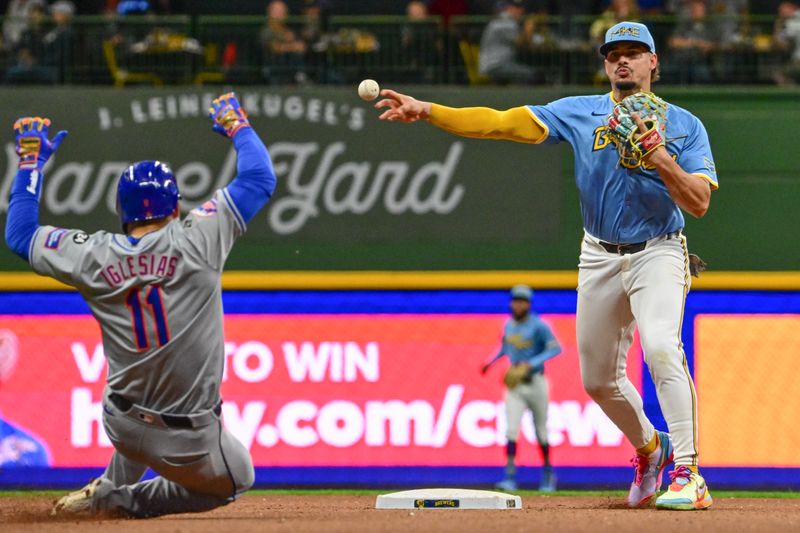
point(374, 492)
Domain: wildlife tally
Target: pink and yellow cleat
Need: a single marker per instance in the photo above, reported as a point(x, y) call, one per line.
point(649, 469)
point(687, 492)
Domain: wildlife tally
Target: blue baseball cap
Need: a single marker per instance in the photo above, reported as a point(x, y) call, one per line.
point(521, 292)
point(628, 32)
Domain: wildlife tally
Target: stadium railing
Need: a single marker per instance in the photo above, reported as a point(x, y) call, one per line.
point(343, 49)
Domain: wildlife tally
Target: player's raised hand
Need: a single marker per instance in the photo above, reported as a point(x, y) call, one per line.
point(33, 146)
point(228, 115)
point(402, 108)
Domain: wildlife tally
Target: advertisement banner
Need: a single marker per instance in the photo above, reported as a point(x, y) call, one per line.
point(746, 375)
point(353, 192)
point(316, 390)
point(356, 193)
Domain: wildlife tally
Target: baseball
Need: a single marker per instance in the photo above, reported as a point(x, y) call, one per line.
point(368, 90)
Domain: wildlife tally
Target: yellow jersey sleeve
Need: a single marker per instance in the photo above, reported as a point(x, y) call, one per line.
point(516, 124)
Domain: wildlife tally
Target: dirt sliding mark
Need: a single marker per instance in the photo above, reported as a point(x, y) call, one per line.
point(353, 514)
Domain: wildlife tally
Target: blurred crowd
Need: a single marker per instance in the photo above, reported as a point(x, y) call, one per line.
point(512, 42)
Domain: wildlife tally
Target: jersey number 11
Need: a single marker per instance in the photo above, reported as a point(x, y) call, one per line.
point(154, 301)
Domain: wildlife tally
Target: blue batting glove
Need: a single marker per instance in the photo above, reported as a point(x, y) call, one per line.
point(32, 145)
point(227, 115)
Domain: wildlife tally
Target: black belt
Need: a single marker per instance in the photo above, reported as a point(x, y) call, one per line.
point(632, 248)
point(174, 421)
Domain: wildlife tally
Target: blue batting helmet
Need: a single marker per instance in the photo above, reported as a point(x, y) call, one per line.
point(147, 190)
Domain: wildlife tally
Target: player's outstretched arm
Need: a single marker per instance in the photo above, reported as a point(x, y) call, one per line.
point(550, 351)
point(515, 124)
point(255, 178)
point(34, 148)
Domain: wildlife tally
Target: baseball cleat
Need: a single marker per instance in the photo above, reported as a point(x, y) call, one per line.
point(649, 470)
point(76, 502)
point(548, 481)
point(507, 484)
point(687, 492)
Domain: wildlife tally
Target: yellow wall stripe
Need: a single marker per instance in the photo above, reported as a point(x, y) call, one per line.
point(451, 279)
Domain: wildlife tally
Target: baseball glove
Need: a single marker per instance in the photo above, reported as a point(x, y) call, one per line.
point(696, 265)
point(515, 375)
point(622, 130)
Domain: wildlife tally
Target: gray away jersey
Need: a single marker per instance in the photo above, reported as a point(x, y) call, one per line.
point(158, 301)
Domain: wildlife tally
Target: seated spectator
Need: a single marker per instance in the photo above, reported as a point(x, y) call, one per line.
point(17, 19)
point(417, 44)
point(618, 10)
point(502, 39)
point(284, 50)
point(537, 27)
point(731, 20)
point(313, 23)
point(690, 46)
point(60, 41)
point(787, 37)
point(27, 65)
point(416, 12)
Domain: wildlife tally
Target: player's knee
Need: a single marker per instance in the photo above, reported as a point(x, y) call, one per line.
point(598, 390)
point(660, 354)
point(246, 479)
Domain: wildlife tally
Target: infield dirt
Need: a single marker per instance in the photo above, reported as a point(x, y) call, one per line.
point(353, 514)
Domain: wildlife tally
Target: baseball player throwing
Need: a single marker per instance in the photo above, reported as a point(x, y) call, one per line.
point(155, 291)
point(638, 163)
point(528, 342)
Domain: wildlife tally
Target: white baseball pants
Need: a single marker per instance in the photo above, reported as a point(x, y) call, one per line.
point(616, 293)
point(533, 396)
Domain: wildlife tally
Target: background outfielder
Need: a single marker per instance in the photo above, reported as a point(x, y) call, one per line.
point(638, 162)
point(155, 291)
point(528, 342)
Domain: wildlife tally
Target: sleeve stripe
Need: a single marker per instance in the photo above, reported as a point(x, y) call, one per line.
point(709, 179)
point(540, 123)
point(236, 215)
point(122, 245)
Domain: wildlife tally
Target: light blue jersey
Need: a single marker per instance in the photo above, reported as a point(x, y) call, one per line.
point(530, 341)
point(624, 205)
point(18, 448)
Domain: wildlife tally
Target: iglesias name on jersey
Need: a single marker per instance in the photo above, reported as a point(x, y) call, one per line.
point(157, 300)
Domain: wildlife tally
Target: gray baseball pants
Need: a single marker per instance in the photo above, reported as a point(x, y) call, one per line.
point(199, 468)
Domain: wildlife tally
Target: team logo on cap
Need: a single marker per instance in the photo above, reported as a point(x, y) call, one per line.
point(625, 31)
